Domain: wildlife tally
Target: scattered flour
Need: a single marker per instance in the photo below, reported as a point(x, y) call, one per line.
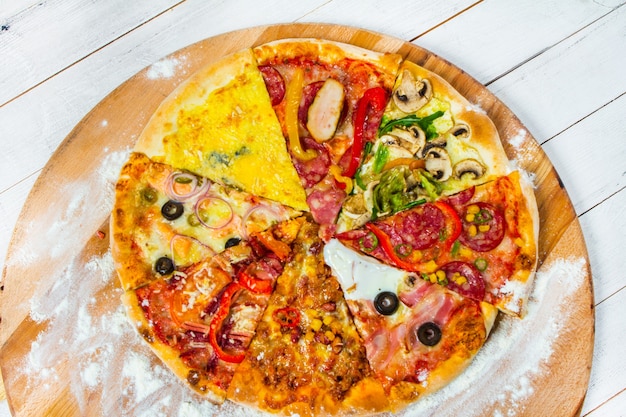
point(165, 68)
point(518, 140)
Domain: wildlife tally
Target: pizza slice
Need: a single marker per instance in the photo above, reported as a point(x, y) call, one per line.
point(480, 243)
point(329, 98)
point(164, 218)
point(220, 124)
point(431, 142)
point(200, 319)
point(307, 358)
point(418, 336)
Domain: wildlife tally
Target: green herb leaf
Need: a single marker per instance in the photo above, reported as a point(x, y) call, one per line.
point(380, 158)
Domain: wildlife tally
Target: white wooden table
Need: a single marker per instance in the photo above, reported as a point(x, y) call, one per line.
point(559, 65)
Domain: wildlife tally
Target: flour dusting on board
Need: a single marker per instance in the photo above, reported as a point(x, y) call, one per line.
point(165, 68)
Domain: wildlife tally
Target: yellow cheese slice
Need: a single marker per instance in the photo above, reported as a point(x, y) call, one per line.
point(220, 124)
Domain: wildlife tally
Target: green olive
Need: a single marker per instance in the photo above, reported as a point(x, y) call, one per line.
point(149, 194)
point(193, 220)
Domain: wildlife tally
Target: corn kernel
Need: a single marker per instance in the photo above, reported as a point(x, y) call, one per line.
point(470, 217)
point(316, 324)
point(309, 336)
point(335, 326)
point(460, 280)
point(440, 275)
point(430, 266)
point(327, 320)
point(433, 278)
point(472, 231)
point(484, 228)
point(330, 335)
point(465, 252)
point(473, 209)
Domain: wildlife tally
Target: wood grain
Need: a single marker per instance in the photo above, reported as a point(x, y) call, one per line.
point(127, 109)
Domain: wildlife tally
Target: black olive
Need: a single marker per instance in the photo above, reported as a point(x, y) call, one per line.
point(233, 241)
point(429, 334)
point(172, 210)
point(164, 265)
point(386, 303)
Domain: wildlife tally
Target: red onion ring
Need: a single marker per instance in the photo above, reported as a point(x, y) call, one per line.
point(245, 218)
point(195, 189)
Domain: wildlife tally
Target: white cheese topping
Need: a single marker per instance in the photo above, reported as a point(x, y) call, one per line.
point(360, 277)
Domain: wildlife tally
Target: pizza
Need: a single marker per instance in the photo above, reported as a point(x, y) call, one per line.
point(309, 227)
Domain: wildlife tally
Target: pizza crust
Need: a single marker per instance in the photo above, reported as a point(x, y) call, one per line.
point(328, 52)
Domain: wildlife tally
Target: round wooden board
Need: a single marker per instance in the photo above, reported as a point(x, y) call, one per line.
point(74, 175)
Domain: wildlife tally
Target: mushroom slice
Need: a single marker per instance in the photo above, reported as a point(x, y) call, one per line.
point(412, 139)
point(325, 111)
point(438, 163)
point(412, 94)
point(461, 131)
point(469, 166)
point(438, 142)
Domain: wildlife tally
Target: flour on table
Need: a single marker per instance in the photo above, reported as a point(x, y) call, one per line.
point(518, 140)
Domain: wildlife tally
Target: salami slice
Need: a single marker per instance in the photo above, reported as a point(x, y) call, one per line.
point(308, 95)
point(274, 83)
point(325, 204)
point(483, 227)
point(473, 284)
point(459, 199)
point(313, 171)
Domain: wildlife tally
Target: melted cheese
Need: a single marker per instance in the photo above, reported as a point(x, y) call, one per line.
point(361, 277)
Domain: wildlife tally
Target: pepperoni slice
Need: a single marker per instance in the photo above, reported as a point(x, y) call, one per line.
point(313, 171)
point(274, 83)
point(474, 287)
point(483, 227)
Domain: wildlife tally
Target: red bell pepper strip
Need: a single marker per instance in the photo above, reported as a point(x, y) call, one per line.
point(373, 101)
point(456, 227)
point(255, 285)
point(218, 319)
point(387, 246)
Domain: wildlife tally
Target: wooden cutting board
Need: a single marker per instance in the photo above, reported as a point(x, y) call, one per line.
point(66, 352)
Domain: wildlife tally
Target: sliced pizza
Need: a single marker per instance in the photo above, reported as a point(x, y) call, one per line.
point(431, 142)
point(200, 319)
point(480, 242)
point(164, 218)
point(307, 358)
point(220, 124)
point(418, 335)
point(329, 98)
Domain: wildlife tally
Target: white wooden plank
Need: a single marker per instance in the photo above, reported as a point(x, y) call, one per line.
point(45, 115)
point(616, 407)
point(604, 228)
point(571, 80)
point(590, 156)
point(41, 40)
point(608, 372)
point(399, 18)
point(493, 37)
